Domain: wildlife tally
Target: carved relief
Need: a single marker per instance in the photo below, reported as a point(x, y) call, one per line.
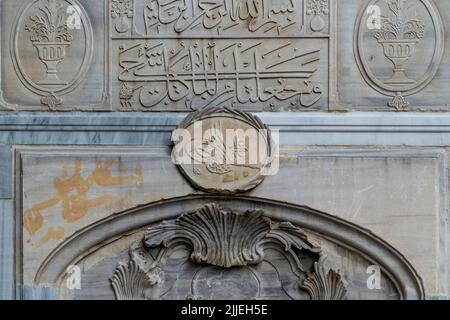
point(224, 150)
point(224, 16)
point(71, 196)
point(130, 281)
point(221, 53)
point(197, 74)
point(122, 12)
point(220, 253)
point(323, 285)
point(399, 35)
point(51, 36)
point(318, 9)
point(406, 29)
point(55, 29)
point(252, 55)
point(272, 251)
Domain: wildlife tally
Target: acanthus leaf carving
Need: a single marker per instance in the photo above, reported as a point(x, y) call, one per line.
point(291, 237)
point(220, 57)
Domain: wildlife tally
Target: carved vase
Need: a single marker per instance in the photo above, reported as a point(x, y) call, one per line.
point(399, 52)
point(51, 54)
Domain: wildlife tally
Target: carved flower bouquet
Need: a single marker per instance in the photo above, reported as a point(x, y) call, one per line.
point(399, 35)
point(51, 36)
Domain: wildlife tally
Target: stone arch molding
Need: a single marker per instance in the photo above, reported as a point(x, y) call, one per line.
point(203, 242)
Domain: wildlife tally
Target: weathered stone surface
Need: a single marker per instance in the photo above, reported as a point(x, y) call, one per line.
point(288, 55)
point(6, 173)
point(399, 195)
point(57, 55)
point(395, 193)
point(7, 250)
point(229, 264)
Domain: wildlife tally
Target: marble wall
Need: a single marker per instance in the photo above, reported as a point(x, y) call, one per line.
point(274, 56)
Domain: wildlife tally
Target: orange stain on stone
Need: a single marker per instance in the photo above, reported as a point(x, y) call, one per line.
point(72, 193)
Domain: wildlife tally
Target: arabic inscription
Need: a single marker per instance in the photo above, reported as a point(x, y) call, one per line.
point(255, 55)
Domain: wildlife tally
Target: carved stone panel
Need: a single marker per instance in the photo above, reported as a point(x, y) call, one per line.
point(253, 55)
point(223, 150)
point(396, 61)
point(218, 253)
point(214, 252)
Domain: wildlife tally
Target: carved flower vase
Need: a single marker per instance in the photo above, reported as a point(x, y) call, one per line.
point(51, 54)
point(399, 52)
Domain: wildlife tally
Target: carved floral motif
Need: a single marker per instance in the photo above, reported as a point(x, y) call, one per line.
point(126, 96)
point(399, 36)
point(122, 10)
point(50, 24)
point(52, 101)
point(51, 35)
point(317, 8)
point(61, 38)
point(399, 103)
point(400, 25)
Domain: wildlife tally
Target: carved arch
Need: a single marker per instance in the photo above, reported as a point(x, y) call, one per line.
point(345, 234)
point(233, 243)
